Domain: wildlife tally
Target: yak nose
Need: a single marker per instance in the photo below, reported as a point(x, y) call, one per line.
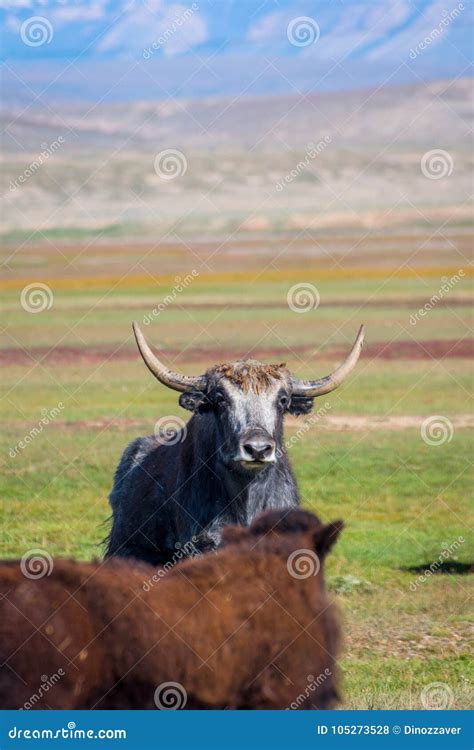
point(258, 446)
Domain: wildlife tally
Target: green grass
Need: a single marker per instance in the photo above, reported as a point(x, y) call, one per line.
point(110, 389)
point(340, 475)
point(403, 501)
point(97, 318)
point(393, 687)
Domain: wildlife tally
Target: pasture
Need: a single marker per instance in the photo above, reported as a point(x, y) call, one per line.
point(405, 499)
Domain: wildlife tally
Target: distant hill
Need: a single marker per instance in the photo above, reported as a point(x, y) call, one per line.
point(422, 113)
point(253, 164)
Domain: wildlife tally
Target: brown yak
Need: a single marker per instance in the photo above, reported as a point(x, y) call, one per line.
point(249, 626)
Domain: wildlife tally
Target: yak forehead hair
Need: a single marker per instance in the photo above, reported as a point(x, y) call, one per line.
point(250, 374)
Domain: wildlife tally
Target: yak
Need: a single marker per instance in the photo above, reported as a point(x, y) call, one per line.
point(226, 466)
point(249, 627)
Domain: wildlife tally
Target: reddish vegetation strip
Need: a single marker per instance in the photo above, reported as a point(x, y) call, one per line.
point(432, 349)
point(408, 349)
point(391, 302)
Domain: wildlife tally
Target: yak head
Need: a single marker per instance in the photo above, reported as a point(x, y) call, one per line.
point(306, 528)
point(248, 400)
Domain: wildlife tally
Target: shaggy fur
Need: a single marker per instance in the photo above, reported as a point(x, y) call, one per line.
point(166, 495)
point(233, 628)
point(250, 374)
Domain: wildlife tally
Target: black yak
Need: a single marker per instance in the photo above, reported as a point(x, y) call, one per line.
point(226, 466)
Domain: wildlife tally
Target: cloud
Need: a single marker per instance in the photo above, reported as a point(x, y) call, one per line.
point(175, 28)
point(344, 29)
point(363, 36)
point(399, 45)
point(73, 13)
point(269, 28)
point(15, 4)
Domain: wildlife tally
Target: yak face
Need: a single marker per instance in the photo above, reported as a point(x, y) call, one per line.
point(248, 401)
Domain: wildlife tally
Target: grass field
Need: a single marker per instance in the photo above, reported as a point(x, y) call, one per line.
point(405, 500)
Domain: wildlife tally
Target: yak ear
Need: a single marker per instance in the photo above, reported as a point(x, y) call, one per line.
point(326, 536)
point(300, 405)
point(233, 534)
point(193, 400)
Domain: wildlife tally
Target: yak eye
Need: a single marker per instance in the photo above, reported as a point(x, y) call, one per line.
point(283, 401)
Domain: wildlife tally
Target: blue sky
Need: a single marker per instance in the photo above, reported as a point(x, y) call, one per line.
point(126, 49)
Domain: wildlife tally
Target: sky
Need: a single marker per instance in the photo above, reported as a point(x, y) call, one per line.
point(118, 50)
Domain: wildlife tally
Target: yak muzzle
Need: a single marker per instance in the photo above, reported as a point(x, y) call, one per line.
point(257, 447)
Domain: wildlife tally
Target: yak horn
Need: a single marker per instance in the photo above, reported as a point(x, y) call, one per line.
point(174, 380)
point(312, 388)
